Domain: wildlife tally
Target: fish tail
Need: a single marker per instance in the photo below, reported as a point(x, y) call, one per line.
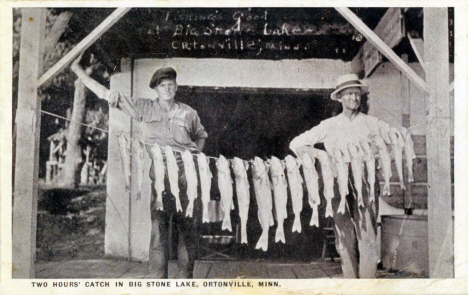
point(280, 234)
point(386, 189)
point(297, 224)
point(342, 206)
point(159, 203)
point(227, 222)
point(402, 184)
point(189, 210)
point(206, 216)
point(244, 233)
point(314, 220)
point(263, 242)
point(372, 194)
point(329, 209)
point(360, 201)
point(178, 205)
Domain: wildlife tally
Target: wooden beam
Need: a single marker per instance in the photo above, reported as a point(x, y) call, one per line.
point(381, 46)
point(55, 32)
point(28, 120)
point(83, 45)
point(440, 222)
point(418, 48)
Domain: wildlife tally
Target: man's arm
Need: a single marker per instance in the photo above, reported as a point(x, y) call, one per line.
point(303, 142)
point(98, 89)
point(200, 144)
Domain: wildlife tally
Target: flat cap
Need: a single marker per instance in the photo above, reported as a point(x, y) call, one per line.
point(162, 73)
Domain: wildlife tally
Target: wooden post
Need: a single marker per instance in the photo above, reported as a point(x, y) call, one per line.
point(27, 143)
point(406, 122)
point(73, 135)
point(117, 232)
point(440, 223)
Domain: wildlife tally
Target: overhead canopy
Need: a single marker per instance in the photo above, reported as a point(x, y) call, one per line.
point(257, 33)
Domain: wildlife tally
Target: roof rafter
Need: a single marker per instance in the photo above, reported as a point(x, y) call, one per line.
point(382, 47)
point(83, 45)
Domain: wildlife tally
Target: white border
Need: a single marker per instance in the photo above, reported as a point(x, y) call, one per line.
point(340, 286)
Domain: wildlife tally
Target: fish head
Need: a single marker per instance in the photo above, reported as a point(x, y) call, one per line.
point(307, 161)
point(276, 167)
point(222, 162)
point(352, 149)
point(259, 167)
point(168, 150)
point(156, 150)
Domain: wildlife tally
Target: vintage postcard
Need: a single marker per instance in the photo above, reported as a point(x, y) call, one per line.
point(274, 147)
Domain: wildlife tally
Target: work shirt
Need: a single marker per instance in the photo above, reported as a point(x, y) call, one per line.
point(340, 130)
point(179, 129)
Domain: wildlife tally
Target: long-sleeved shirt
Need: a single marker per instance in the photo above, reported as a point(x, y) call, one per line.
point(180, 129)
point(340, 130)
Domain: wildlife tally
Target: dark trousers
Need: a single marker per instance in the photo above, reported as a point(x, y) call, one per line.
point(356, 231)
point(187, 229)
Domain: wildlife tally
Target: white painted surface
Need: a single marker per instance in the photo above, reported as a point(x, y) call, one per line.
point(116, 242)
point(307, 73)
point(385, 99)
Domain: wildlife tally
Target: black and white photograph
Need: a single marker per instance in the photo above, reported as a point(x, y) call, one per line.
point(235, 148)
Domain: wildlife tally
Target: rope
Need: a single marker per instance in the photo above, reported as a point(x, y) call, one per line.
point(64, 118)
point(106, 131)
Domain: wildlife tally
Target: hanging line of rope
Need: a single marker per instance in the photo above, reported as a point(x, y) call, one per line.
point(106, 131)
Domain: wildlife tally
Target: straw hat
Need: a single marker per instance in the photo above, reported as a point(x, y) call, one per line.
point(347, 81)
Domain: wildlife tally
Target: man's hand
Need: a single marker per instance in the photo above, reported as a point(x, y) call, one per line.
point(75, 65)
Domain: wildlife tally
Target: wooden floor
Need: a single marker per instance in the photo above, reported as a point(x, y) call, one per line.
point(204, 269)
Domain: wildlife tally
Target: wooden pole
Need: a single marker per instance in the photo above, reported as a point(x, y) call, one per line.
point(436, 59)
point(55, 32)
point(406, 122)
point(27, 143)
point(73, 135)
point(381, 46)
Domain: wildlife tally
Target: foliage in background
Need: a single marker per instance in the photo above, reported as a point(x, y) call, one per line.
point(57, 97)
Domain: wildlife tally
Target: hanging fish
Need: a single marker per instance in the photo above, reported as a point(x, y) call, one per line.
point(386, 163)
point(173, 173)
point(370, 165)
point(311, 180)
point(205, 183)
point(124, 145)
point(140, 165)
point(243, 194)
point(280, 193)
point(160, 174)
point(357, 170)
point(398, 143)
point(409, 154)
point(328, 180)
point(343, 175)
point(226, 190)
point(262, 187)
point(192, 181)
point(296, 190)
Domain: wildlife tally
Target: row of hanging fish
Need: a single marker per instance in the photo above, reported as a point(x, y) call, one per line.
point(270, 182)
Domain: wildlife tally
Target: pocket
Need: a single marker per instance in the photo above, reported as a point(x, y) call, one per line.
point(181, 133)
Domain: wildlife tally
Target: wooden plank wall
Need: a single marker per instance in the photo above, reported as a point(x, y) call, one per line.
point(419, 187)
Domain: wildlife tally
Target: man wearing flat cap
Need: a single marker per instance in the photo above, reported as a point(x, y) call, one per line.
point(165, 122)
point(356, 228)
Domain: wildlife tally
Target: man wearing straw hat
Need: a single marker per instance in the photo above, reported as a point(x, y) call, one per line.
point(166, 122)
point(356, 228)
